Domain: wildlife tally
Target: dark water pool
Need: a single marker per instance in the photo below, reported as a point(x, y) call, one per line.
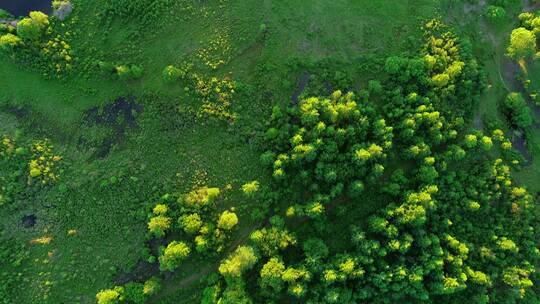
point(23, 7)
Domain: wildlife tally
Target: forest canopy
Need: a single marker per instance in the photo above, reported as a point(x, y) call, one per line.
point(250, 152)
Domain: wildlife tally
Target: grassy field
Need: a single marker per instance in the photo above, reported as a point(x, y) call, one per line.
point(172, 148)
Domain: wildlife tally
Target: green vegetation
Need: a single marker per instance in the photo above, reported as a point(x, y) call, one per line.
point(270, 152)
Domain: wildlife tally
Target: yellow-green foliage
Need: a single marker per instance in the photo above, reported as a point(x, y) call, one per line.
point(191, 223)
point(217, 96)
point(227, 220)
point(271, 273)
point(43, 163)
point(158, 225)
point(7, 147)
point(442, 56)
point(33, 27)
point(110, 296)
point(9, 41)
point(522, 44)
point(56, 4)
point(272, 240)
point(173, 255)
point(152, 286)
point(242, 259)
point(60, 52)
point(160, 209)
point(219, 50)
point(201, 198)
point(250, 188)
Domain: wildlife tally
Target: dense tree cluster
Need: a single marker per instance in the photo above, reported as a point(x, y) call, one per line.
point(446, 75)
point(191, 215)
point(456, 226)
point(30, 29)
point(33, 27)
point(328, 146)
point(26, 164)
point(34, 42)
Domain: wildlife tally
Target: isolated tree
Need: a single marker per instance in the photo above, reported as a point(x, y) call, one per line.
point(522, 44)
point(173, 255)
point(136, 71)
point(471, 141)
point(106, 67)
point(227, 220)
point(123, 71)
point(486, 143)
point(495, 13)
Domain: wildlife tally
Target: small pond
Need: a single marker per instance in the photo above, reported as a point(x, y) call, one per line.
point(23, 7)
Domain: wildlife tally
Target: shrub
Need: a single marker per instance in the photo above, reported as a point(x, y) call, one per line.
point(171, 73)
point(495, 13)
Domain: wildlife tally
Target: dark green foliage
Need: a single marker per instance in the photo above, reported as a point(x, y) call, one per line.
point(134, 293)
point(495, 14)
point(517, 111)
point(144, 12)
point(128, 72)
point(12, 256)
